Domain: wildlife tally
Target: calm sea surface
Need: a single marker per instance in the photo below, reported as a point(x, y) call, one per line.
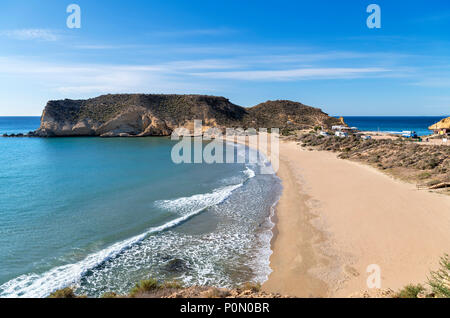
point(102, 214)
point(394, 123)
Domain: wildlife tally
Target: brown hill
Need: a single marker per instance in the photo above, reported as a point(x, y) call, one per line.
point(159, 115)
point(288, 114)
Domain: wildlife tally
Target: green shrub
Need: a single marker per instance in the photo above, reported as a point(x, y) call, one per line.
point(109, 295)
point(287, 132)
point(410, 291)
point(440, 279)
point(63, 293)
point(254, 287)
point(152, 285)
point(424, 175)
point(172, 285)
point(145, 286)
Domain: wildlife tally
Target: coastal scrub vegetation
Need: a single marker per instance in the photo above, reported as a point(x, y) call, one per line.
point(410, 291)
point(439, 284)
point(427, 164)
point(440, 279)
point(287, 132)
point(153, 287)
point(67, 292)
point(173, 289)
point(254, 287)
point(110, 295)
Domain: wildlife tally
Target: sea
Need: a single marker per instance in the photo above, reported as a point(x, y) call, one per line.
point(100, 215)
point(419, 124)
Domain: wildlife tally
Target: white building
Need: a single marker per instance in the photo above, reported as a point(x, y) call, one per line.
point(341, 134)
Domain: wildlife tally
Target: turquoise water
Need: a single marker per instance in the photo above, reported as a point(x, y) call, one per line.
point(102, 214)
point(18, 125)
point(419, 124)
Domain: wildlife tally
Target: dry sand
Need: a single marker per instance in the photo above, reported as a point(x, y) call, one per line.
point(336, 217)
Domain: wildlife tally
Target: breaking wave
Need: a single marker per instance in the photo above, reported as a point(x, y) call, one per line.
point(34, 286)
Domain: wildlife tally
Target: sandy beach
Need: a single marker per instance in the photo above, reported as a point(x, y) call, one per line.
point(336, 217)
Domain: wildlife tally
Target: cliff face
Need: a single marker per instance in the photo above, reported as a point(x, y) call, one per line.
point(159, 115)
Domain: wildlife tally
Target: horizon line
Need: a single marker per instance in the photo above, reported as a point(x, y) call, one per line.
point(443, 115)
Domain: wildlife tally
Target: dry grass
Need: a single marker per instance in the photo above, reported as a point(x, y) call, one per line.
point(153, 288)
point(67, 292)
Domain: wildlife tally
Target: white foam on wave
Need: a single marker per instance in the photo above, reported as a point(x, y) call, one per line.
point(198, 201)
point(36, 286)
point(244, 153)
point(262, 262)
point(249, 173)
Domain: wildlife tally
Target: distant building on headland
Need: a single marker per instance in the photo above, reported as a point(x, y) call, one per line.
point(442, 127)
point(344, 128)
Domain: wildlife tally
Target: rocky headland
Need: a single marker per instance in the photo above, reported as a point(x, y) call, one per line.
point(125, 115)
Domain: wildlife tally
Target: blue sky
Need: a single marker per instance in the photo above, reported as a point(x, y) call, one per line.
point(320, 53)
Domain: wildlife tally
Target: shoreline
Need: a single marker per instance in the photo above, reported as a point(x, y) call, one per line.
point(293, 257)
point(275, 282)
point(329, 228)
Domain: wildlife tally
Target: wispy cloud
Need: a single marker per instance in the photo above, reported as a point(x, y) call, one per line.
point(98, 47)
point(438, 17)
point(104, 78)
point(433, 82)
point(193, 32)
point(295, 74)
point(202, 75)
point(31, 34)
point(108, 47)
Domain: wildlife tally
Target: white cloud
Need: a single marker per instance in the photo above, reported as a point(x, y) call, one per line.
point(442, 16)
point(433, 82)
point(102, 78)
point(31, 34)
point(295, 74)
point(98, 47)
point(193, 32)
point(195, 75)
